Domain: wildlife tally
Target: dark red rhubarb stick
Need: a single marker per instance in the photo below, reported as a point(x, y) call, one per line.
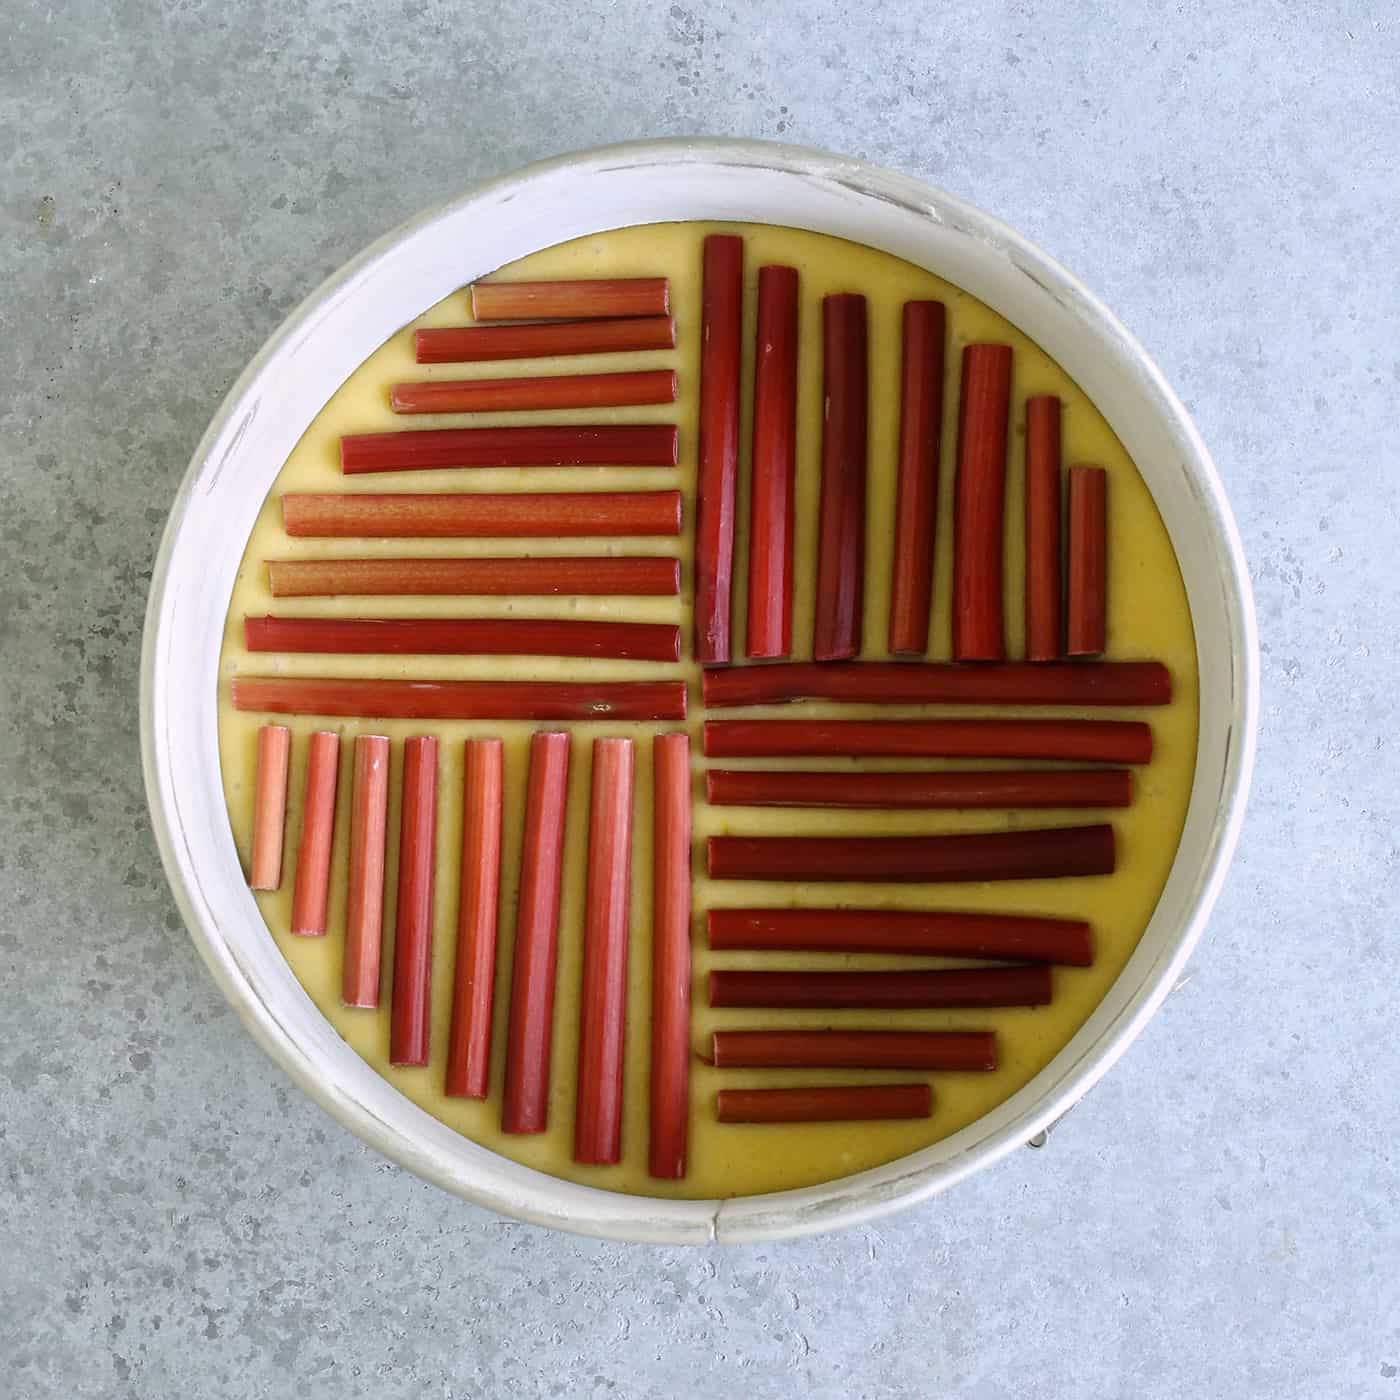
point(1076, 787)
point(774, 465)
point(912, 931)
point(603, 1003)
point(840, 587)
point(670, 938)
point(1087, 576)
point(991, 855)
point(1043, 617)
point(269, 806)
point(916, 515)
point(572, 299)
point(411, 1012)
point(364, 910)
point(464, 636)
point(606, 576)
point(311, 890)
point(1081, 740)
point(377, 699)
point(474, 979)
point(937, 683)
point(979, 503)
point(944, 1050)
point(831, 1103)
point(464, 344)
point(537, 392)
point(558, 445)
point(717, 471)
point(976, 986)
point(525, 1108)
point(458, 515)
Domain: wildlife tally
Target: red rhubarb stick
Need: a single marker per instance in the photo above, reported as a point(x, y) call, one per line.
point(976, 986)
point(985, 855)
point(643, 386)
point(717, 471)
point(670, 981)
point(921, 932)
point(411, 1011)
point(1043, 619)
point(840, 586)
point(269, 806)
point(942, 1050)
point(575, 298)
point(457, 515)
point(979, 503)
point(474, 978)
point(464, 636)
point(525, 1108)
point(380, 699)
point(1081, 740)
point(607, 576)
point(603, 1009)
point(311, 890)
point(364, 910)
point(916, 514)
point(774, 467)
point(829, 1103)
point(556, 445)
point(1076, 787)
point(937, 683)
point(464, 344)
point(1087, 576)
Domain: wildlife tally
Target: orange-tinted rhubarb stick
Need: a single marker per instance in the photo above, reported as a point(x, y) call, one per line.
point(920, 440)
point(717, 472)
point(269, 806)
point(840, 586)
point(1087, 594)
point(364, 910)
point(643, 386)
point(557, 445)
point(774, 469)
point(525, 1108)
point(829, 1103)
point(979, 503)
point(942, 1050)
point(605, 576)
point(670, 983)
point(603, 1009)
point(474, 978)
point(311, 890)
point(571, 299)
point(473, 344)
point(1043, 616)
point(964, 986)
point(410, 1014)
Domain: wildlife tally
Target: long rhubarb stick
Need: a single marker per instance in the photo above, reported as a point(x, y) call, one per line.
point(269, 806)
point(774, 466)
point(381, 699)
point(606, 576)
point(464, 636)
point(976, 986)
point(1043, 615)
point(828, 1103)
point(941, 1050)
point(979, 503)
point(410, 1013)
point(984, 855)
point(916, 513)
point(921, 932)
point(840, 585)
point(525, 1108)
point(1077, 787)
point(556, 445)
point(717, 471)
point(603, 1010)
point(670, 978)
point(570, 299)
point(364, 910)
point(1082, 740)
point(644, 386)
point(935, 683)
point(1086, 623)
point(474, 978)
point(471, 344)
point(311, 889)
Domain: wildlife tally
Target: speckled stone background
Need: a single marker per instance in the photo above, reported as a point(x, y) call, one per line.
point(1220, 1218)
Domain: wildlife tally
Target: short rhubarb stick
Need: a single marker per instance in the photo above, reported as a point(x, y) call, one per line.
point(364, 910)
point(571, 299)
point(269, 806)
point(410, 1015)
point(469, 344)
point(830, 1103)
point(311, 890)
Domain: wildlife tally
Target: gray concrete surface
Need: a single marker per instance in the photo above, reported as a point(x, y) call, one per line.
point(1220, 1218)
